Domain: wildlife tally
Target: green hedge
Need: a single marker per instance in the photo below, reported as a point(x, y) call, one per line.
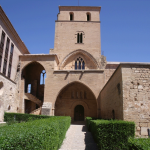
point(112, 134)
point(11, 118)
point(38, 134)
point(88, 119)
point(139, 143)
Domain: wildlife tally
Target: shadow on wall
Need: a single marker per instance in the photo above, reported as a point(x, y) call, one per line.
point(1, 88)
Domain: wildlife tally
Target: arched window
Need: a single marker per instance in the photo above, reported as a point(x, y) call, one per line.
point(88, 16)
point(79, 63)
point(113, 114)
point(79, 38)
point(43, 76)
point(71, 16)
point(29, 88)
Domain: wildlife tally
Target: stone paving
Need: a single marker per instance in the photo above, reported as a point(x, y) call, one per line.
point(78, 138)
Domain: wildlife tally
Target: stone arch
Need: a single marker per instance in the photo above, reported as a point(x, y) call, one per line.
point(33, 91)
point(65, 104)
point(86, 56)
point(31, 63)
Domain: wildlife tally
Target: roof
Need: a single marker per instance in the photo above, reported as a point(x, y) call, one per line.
point(12, 30)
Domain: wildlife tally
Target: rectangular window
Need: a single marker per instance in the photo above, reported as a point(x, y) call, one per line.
point(11, 53)
point(7, 48)
point(10, 60)
point(2, 43)
point(4, 67)
point(2, 39)
point(9, 70)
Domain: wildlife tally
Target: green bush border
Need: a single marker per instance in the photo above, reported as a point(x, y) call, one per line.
point(38, 134)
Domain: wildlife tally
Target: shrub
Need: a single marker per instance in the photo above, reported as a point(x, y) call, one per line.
point(112, 134)
point(38, 134)
point(139, 143)
point(11, 118)
point(88, 119)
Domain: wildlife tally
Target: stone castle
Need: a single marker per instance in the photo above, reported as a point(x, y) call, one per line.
point(74, 79)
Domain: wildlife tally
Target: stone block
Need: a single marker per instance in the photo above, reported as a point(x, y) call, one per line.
point(138, 128)
point(143, 124)
point(144, 131)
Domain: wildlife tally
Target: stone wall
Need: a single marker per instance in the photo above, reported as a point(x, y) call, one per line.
point(136, 96)
point(110, 99)
point(9, 101)
point(109, 70)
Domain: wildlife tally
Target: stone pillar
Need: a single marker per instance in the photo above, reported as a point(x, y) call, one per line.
point(21, 104)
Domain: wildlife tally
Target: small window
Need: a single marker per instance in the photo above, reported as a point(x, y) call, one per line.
point(29, 88)
point(9, 70)
point(43, 76)
point(71, 16)
point(79, 38)
point(113, 114)
point(119, 88)
point(4, 67)
point(88, 17)
point(79, 64)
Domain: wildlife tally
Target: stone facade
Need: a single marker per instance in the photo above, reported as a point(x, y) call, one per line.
point(75, 79)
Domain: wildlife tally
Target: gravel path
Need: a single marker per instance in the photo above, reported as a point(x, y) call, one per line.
point(78, 138)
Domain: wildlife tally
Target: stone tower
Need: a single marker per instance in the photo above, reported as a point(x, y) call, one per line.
point(77, 28)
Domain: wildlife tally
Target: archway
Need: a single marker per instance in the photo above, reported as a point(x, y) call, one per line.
point(72, 95)
point(79, 113)
point(33, 89)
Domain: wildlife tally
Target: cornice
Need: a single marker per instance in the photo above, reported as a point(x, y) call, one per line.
point(12, 30)
point(78, 8)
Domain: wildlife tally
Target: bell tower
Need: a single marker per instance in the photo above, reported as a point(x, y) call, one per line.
point(77, 28)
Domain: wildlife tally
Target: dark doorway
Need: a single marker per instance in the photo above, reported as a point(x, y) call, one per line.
point(79, 113)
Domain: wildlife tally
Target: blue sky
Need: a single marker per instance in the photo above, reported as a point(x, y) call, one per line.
point(125, 25)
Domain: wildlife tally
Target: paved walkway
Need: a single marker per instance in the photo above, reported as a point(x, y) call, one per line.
point(78, 138)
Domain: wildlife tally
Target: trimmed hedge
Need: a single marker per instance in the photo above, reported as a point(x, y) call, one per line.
point(88, 119)
point(38, 134)
point(11, 118)
point(112, 134)
point(139, 143)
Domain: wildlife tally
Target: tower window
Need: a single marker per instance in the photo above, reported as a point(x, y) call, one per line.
point(79, 38)
point(79, 63)
point(71, 16)
point(88, 17)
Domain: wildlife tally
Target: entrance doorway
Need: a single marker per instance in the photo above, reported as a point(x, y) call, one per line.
point(79, 113)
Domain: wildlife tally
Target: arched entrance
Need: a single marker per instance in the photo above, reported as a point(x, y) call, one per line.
point(79, 113)
point(76, 99)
